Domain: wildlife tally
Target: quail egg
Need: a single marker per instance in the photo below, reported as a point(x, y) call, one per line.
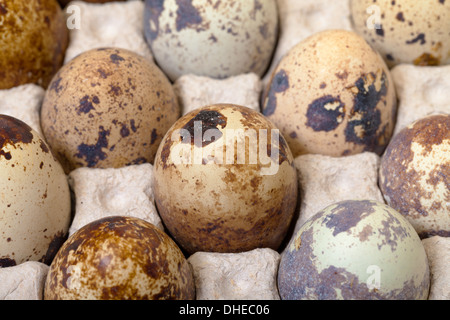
point(33, 41)
point(108, 107)
point(119, 258)
point(405, 31)
point(216, 38)
point(355, 250)
point(332, 94)
point(224, 181)
point(35, 197)
point(415, 173)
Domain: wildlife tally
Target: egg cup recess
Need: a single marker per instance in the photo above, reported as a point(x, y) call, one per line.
point(35, 200)
point(214, 191)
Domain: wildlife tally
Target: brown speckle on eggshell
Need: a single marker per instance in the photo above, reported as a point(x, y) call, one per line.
point(108, 107)
point(211, 199)
point(33, 38)
point(35, 202)
point(119, 258)
point(408, 31)
point(415, 173)
point(332, 94)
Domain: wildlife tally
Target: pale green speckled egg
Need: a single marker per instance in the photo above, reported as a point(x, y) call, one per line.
point(355, 249)
point(216, 38)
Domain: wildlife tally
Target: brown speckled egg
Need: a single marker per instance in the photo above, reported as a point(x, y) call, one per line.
point(108, 107)
point(35, 197)
point(355, 250)
point(332, 94)
point(224, 181)
point(415, 173)
point(119, 258)
point(33, 40)
point(405, 31)
point(66, 2)
point(217, 38)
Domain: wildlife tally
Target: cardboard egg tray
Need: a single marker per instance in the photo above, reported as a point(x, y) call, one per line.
point(322, 180)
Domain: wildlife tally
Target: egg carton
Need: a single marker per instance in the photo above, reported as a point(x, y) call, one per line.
point(323, 180)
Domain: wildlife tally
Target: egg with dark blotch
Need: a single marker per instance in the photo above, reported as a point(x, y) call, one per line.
point(35, 201)
point(225, 181)
point(119, 258)
point(33, 41)
point(217, 39)
point(108, 108)
point(332, 94)
point(355, 250)
point(415, 174)
point(406, 31)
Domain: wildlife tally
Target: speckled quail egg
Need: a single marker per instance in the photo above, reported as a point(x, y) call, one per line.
point(33, 40)
point(332, 94)
point(216, 38)
point(405, 31)
point(66, 2)
point(224, 181)
point(35, 197)
point(415, 173)
point(119, 258)
point(107, 107)
point(355, 250)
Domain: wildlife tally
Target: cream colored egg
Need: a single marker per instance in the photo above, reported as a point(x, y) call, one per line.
point(405, 31)
point(119, 258)
point(332, 94)
point(415, 173)
point(216, 38)
point(224, 181)
point(355, 250)
point(35, 197)
point(107, 108)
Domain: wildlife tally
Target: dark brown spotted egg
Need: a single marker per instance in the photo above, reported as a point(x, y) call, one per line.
point(33, 40)
point(216, 38)
point(119, 258)
point(355, 250)
point(107, 107)
point(35, 198)
point(224, 181)
point(332, 94)
point(405, 31)
point(66, 2)
point(415, 173)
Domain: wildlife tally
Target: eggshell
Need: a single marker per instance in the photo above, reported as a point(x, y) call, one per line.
point(108, 108)
point(66, 2)
point(406, 31)
point(216, 192)
point(332, 94)
point(415, 173)
point(355, 249)
point(119, 258)
point(217, 39)
point(33, 38)
point(35, 197)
